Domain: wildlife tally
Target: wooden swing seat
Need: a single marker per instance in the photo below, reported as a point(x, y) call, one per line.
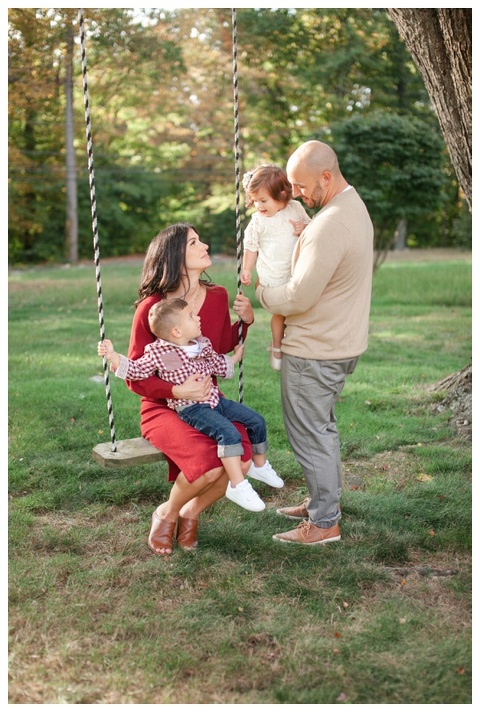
point(137, 451)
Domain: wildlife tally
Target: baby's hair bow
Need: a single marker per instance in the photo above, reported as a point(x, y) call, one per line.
point(247, 177)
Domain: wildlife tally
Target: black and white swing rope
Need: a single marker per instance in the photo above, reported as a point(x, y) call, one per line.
point(93, 203)
point(238, 222)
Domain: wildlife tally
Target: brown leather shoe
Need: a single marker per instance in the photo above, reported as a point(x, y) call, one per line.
point(299, 511)
point(161, 535)
point(187, 533)
point(307, 533)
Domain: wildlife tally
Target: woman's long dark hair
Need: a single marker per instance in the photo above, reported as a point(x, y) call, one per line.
point(164, 266)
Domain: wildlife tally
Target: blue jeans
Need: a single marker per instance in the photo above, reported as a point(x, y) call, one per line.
point(217, 424)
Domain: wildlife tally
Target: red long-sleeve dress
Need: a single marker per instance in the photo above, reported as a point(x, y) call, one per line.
point(186, 449)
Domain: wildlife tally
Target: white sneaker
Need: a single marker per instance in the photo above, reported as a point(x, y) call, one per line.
point(245, 496)
point(266, 474)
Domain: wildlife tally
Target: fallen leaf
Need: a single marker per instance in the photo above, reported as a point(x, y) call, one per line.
point(423, 477)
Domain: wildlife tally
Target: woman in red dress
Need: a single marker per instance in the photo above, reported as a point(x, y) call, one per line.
point(174, 263)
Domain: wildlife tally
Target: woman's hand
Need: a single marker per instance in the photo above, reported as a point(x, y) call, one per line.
point(196, 387)
point(243, 308)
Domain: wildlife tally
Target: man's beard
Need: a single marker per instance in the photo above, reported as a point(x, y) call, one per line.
point(316, 198)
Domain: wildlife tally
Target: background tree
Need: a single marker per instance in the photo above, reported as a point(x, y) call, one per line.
point(122, 79)
point(440, 41)
point(320, 66)
point(70, 156)
point(35, 134)
point(391, 159)
point(161, 96)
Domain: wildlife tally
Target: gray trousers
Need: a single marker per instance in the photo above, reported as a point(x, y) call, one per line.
point(310, 390)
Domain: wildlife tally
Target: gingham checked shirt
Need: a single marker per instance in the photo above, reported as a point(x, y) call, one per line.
point(173, 364)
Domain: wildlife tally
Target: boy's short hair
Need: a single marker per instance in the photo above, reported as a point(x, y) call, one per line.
point(163, 316)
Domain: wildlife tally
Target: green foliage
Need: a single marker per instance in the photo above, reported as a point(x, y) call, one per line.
point(462, 229)
point(128, 208)
point(396, 163)
point(160, 94)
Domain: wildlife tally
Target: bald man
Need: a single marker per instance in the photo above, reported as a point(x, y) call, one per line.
point(326, 305)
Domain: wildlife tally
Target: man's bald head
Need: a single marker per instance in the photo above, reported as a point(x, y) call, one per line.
point(314, 157)
point(314, 173)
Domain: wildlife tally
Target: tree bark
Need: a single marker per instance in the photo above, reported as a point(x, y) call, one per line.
point(456, 381)
point(440, 42)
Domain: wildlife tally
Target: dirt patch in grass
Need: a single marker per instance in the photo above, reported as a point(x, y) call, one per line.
point(397, 465)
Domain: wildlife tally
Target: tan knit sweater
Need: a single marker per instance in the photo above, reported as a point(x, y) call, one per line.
point(327, 300)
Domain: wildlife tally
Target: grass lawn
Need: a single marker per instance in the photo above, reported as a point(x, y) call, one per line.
point(382, 617)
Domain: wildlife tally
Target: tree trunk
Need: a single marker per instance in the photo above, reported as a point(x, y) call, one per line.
point(71, 226)
point(457, 398)
point(440, 42)
point(400, 235)
point(459, 380)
